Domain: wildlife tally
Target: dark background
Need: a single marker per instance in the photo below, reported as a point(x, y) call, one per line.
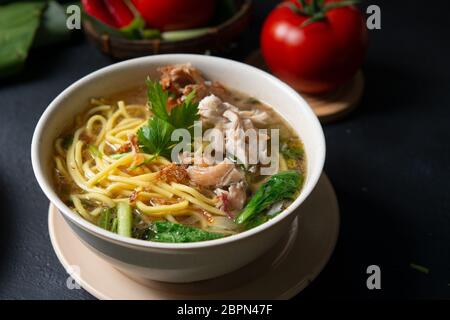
point(389, 163)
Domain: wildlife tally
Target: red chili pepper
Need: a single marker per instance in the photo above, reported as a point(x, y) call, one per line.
point(97, 9)
point(120, 12)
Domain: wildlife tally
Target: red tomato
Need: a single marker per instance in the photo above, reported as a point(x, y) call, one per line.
point(175, 14)
point(319, 57)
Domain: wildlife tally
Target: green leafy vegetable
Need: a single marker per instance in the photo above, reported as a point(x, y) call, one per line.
point(106, 219)
point(283, 185)
point(165, 231)
point(155, 137)
point(18, 24)
point(260, 219)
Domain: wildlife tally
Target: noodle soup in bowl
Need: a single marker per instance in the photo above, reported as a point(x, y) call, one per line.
point(150, 217)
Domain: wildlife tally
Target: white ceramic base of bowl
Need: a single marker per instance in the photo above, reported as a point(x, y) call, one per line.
point(281, 273)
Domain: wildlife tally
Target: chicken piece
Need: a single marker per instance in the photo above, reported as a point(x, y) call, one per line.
point(176, 77)
point(232, 201)
point(220, 175)
point(188, 158)
point(233, 122)
point(237, 196)
point(256, 116)
point(211, 110)
point(201, 91)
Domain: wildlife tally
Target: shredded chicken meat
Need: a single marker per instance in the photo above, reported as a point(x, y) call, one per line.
point(226, 177)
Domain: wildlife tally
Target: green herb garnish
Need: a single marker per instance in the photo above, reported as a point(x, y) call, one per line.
point(157, 99)
point(184, 115)
point(155, 137)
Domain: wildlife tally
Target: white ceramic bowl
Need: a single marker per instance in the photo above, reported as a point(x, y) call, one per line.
point(184, 262)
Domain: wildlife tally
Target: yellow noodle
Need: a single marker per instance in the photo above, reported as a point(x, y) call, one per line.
point(162, 210)
point(102, 181)
point(192, 199)
point(95, 212)
point(127, 124)
point(150, 195)
point(122, 109)
point(148, 177)
point(90, 128)
point(60, 167)
point(282, 163)
point(102, 174)
point(194, 193)
point(170, 218)
point(157, 189)
point(59, 148)
point(130, 181)
point(97, 196)
point(73, 170)
point(118, 187)
point(100, 108)
point(88, 173)
point(121, 200)
point(79, 207)
point(79, 154)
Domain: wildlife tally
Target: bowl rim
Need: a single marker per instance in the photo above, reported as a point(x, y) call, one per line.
point(48, 189)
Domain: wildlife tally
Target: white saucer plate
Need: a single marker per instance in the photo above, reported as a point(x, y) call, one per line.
point(281, 273)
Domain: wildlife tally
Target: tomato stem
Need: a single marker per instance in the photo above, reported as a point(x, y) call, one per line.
point(316, 10)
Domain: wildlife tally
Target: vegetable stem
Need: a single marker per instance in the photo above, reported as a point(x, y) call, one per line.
point(124, 219)
point(317, 9)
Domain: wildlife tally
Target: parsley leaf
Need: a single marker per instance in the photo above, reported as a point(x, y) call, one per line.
point(184, 115)
point(157, 99)
point(155, 137)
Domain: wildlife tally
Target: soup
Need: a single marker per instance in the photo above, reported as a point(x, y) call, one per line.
point(134, 163)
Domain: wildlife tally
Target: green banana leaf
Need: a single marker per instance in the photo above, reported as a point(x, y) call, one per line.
point(18, 24)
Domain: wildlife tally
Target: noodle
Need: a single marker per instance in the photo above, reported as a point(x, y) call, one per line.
point(106, 173)
point(107, 180)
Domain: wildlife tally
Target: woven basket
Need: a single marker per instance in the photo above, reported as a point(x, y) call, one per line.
point(218, 38)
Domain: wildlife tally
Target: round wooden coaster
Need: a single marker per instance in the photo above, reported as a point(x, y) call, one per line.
point(331, 106)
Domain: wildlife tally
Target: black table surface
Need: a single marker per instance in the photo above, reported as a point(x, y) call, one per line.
point(389, 163)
